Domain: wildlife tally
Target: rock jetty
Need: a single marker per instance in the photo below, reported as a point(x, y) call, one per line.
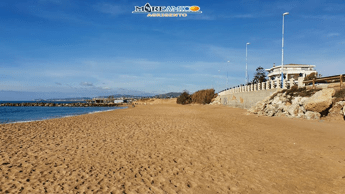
point(50, 104)
point(320, 104)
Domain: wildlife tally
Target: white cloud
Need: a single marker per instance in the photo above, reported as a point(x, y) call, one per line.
point(242, 16)
point(333, 34)
point(110, 9)
point(86, 84)
point(324, 17)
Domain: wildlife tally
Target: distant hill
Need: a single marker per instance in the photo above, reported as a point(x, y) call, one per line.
point(168, 95)
point(64, 99)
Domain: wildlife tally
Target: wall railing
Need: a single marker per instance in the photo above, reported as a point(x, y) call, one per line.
point(287, 84)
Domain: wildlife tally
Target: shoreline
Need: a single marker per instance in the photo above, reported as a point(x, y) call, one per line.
point(61, 104)
point(58, 117)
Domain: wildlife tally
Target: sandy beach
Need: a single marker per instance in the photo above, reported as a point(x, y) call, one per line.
point(169, 148)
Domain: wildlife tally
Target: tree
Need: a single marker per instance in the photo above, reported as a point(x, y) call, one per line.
point(260, 75)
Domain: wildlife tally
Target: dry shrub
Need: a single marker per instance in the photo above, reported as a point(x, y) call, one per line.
point(203, 96)
point(302, 92)
point(310, 77)
point(145, 99)
point(339, 95)
point(294, 91)
point(184, 98)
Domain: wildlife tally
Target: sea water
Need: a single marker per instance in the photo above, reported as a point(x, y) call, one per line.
point(12, 114)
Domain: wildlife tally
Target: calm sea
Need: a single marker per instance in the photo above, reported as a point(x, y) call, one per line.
point(29, 113)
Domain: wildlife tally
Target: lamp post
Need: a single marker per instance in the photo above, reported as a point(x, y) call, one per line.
point(219, 83)
point(282, 76)
point(227, 80)
point(247, 64)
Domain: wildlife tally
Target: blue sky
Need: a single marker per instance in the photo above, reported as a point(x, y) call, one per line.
point(61, 48)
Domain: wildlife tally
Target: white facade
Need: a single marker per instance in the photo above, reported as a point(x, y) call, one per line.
point(291, 71)
point(118, 101)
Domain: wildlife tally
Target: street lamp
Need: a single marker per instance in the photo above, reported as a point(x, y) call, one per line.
point(282, 76)
point(227, 77)
point(218, 82)
point(247, 64)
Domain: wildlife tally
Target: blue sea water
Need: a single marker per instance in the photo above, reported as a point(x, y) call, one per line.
point(29, 113)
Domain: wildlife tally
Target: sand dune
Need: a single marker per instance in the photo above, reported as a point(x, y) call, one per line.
point(167, 148)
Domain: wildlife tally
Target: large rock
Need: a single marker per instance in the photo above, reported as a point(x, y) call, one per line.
point(259, 107)
point(216, 100)
point(279, 100)
point(293, 109)
point(302, 101)
point(310, 115)
point(296, 100)
point(337, 111)
point(281, 114)
point(320, 101)
point(270, 110)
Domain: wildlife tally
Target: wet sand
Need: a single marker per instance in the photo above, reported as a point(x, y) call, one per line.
point(169, 148)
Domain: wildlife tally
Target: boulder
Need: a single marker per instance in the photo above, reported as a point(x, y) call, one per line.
point(279, 100)
point(310, 115)
point(281, 114)
point(260, 106)
point(320, 101)
point(281, 107)
point(337, 111)
point(216, 100)
point(270, 113)
point(301, 110)
point(301, 115)
point(293, 109)
point(302, 101)
point(296, 100)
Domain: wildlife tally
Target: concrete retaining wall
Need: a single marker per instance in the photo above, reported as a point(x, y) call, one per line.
point(245, 99)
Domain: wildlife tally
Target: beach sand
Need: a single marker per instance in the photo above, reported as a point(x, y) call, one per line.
point(169, 148)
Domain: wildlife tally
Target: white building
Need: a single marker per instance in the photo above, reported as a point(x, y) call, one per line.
point(118, 101)
point(290, 71)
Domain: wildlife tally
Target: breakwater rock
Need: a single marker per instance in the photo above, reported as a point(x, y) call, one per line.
point(49, 104)
point(291, 104)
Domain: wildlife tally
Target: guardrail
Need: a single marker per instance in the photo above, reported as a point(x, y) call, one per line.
point(335, 78)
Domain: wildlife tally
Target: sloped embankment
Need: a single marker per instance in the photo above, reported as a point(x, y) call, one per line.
point(303, 103)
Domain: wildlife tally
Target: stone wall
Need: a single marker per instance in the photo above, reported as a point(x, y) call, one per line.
point(245, 100)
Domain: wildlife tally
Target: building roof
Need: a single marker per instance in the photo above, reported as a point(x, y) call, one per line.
point(290, 66)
